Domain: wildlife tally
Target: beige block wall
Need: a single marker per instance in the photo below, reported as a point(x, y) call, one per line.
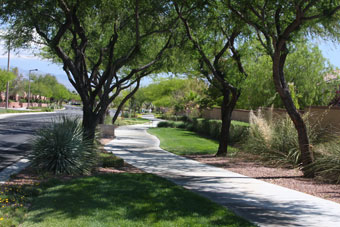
point(325, 115)
point(240, 115)
point(214, 113)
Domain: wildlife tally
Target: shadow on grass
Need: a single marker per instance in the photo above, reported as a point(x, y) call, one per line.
point(134, 197)
point(229, 189)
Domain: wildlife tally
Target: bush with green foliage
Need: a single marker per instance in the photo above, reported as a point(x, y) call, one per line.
point(166, 124)
point(109, 160)
point(47, 109)
point(61, 148)
point(172, 117)
point(326, 166)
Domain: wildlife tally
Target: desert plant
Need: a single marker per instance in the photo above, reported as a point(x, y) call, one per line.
point(327, 163)
point(276, 138)
point(273, 139)
point(62, 148)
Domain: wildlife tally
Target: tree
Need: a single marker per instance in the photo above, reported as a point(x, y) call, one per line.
point(215, 35)
point(104, 46)
point(4, 78)
point(305, 70)
point(161, 93)
point(277, 24)
point(41, 86)
point(140, 100)
point(48, 86)
point(60, 93)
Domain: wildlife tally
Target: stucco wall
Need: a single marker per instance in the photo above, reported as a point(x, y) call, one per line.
point(325, 115)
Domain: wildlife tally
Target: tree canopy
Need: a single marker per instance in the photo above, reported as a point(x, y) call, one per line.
point(306, 70)
point(176, 94)
point(48, 86)
point(5, 77)
point(277, 25)
point(104, 46)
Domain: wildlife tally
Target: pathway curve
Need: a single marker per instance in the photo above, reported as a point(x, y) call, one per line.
point(260, 202)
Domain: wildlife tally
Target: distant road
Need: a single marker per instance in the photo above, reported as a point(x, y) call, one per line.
point(17, 131)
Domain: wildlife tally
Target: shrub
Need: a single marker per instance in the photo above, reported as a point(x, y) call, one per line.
point(326, 166)
point(125, 114)
point(47, 109)
point(237, 133)
point(278, 139)
point(62, 149)
point(180, 124)
point(171, 117)
point(166, 124)
point(109, 160)
point(215, 129)
point(273, 140)
point(202, 126)
point(209, 128)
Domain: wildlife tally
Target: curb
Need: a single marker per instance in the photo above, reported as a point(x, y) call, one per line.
point(3, 116)
point(13, 169)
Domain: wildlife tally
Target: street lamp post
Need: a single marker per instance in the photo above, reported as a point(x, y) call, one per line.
point(29, 86)
point(7, 84)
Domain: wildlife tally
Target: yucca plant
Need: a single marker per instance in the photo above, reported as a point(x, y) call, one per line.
point(61, 148)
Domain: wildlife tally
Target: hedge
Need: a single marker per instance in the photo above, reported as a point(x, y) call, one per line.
point(209, 128)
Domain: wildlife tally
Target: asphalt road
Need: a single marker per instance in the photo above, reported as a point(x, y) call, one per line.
point(17, 131)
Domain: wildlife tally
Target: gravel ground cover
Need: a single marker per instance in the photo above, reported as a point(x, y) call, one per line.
point(286, 177)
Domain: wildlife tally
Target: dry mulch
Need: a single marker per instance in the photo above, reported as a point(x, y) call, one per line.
point(127, 168)
point(286, 177)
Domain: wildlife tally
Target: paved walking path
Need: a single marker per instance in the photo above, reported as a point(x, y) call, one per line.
point(260, 202)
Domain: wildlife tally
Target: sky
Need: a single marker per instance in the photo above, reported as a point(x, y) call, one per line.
point(25, 61)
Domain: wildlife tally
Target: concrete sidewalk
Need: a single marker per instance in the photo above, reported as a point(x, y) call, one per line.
point(261, 203)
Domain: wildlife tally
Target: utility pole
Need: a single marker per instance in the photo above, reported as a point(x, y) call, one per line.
point(7, 84)
point(29, 86)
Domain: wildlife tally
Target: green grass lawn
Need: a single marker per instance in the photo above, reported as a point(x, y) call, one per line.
point(44, 109)
point(4, 111)
point(125, 200)
point(183, 142)
point(127, 121)
point(131, 121)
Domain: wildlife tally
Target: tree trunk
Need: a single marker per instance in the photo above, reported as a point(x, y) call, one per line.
point(90, 122)
point(121, 105)
point(103, 117)
point(226, 111)
point(283, 90)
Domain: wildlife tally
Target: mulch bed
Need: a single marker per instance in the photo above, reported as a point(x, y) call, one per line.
point(286, 177)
